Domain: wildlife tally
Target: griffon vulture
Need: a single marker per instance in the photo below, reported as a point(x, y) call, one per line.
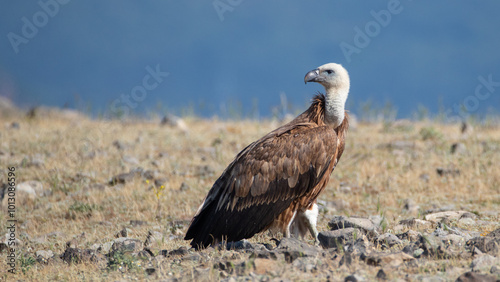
point(275, 181)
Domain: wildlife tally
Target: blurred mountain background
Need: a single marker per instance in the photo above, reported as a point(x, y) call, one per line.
point(246, 58)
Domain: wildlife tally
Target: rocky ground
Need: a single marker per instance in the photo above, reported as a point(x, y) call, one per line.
point(112, 200)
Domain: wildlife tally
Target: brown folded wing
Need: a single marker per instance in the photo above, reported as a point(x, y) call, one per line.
point(262, 182)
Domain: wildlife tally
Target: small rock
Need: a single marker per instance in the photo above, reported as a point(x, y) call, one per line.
point(122, 178)
point(449, 215)
point(410, 235)
point(467, 221)
point(447, 171)
point(154, 239)
point(264, 254)
point(305, 264)
point(45, 255)
point(393, 260)
point(75, 255)
point(120, 145)
point(354, 278)
point(487, 244)
point(149, 174)
point(105, 248)
point(150, 271)
point(160, 181)
point(381, 274)
point(475, 277)
point(126, 245)
point(15, 125)
point(123, 233)
point(410, 206)
point(458, 148)
point(357, 247)
point(335, 238)
point(388, 239)
point(184, 187)
point(145, 253)
point(415, 222)
point(346, 259)
point(192, 257)
point(174, 121)
point(240, 245)
point(484, 262)
point(136, 222)
point(130, 160)
point(32, 187)
point(424, 177)
point(293, 248)
point(341, 222)
point(178, 252)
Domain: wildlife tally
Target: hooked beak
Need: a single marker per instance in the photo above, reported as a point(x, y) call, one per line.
point(313, 76)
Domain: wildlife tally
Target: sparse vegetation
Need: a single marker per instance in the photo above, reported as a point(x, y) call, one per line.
point(382, 165)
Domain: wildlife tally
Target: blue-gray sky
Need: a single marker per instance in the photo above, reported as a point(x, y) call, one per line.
point(433, 53)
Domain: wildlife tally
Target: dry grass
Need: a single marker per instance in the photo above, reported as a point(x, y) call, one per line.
point(79, 153)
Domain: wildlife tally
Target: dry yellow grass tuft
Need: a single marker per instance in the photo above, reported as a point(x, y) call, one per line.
point(386, 169)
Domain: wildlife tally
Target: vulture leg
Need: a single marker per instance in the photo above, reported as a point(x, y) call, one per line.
point(312, 219)
point(287, 230)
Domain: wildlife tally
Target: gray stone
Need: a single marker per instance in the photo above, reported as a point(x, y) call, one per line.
point(174, 121)
point(293, 248)
point(154, 239)
point(120, 145)
point(122, 178)
point(416, 223)
point(381, 275)
point(44, 254)
point(335, 238)
point(486, 244)
point(475, 277)
point(240, 245)
point(126, 245)
point(484, 262)
point(341, 222)
point(136, 222)
point(125, 232)
point(448, 215)
point(383, 259)
point(178, 252)
point(130, 160)
point(410, 235)
point(458, 148)
point(467, 221)
point(410, 206)
point(447, 171)
point(388, 239)
point(75, 255)
point(105, 248)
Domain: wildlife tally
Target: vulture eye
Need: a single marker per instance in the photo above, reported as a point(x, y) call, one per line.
point(329, 71)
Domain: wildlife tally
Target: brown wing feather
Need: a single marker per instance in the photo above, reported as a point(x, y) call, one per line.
point(262, 182)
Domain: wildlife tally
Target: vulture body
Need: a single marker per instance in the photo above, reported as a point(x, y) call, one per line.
point(274, 182)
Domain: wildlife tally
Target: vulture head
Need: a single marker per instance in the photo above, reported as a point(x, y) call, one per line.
point(335, 79)
point(332, 76)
